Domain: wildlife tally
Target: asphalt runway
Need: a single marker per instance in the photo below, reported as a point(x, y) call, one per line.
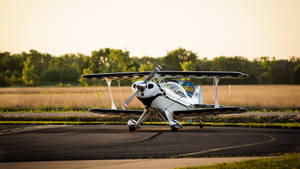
point(84, 114)
point(94, 142)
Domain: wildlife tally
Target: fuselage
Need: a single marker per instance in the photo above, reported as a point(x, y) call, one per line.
point(166, 97)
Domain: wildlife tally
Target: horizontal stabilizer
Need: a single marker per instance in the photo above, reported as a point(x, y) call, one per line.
point(211, 111)
point(114, 111)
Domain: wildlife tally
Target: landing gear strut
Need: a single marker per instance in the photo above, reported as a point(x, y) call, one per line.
point(200, 123)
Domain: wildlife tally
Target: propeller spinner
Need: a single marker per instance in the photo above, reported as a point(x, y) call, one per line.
point(141, 86)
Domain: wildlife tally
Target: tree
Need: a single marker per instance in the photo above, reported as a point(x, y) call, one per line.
point(188, 66)
point(138, 62)
point(297, 74)
point(35, 68)
point(29, 75)
point(84, 81)
point(265, 77)
point(174, 58)
point(11, 66)
point(282, 72)
point(52, 76)
point(99, 58)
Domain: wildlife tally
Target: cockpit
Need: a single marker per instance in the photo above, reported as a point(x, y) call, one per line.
point(176, 88)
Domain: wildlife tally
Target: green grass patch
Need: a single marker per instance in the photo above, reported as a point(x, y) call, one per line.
point(257, 125)
point(76, 109)
point(282, 162)
point(253, 119)
point(274, 109)
point(254, 125)
point(60, 122)
point(72, 116)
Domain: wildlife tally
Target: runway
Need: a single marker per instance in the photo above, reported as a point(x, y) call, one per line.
point(94, 142)
point(89, 114)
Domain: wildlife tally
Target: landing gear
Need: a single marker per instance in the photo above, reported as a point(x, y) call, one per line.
point(132, 125)
point(174, 129)
point(200, 123)
point(132, 128)
point(175, 125)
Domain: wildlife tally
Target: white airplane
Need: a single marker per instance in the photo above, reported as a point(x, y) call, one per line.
point(167, 98)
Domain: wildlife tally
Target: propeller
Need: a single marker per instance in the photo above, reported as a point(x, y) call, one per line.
point(157, 68)
point(125, 104)
point(141, 87)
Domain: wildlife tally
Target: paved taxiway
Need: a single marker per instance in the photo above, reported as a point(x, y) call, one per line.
point(95, 142)
point(89, 114)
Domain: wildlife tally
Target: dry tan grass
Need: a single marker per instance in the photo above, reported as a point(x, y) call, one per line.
point(282, 96)
point(73, 97)
point(46, 90)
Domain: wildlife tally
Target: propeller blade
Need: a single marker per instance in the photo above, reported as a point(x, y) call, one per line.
point(125, 104)
point(141, 87)
point(157, 68)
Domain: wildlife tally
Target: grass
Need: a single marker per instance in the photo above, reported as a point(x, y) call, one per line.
point(262, 97)
point(254, 125)
point(252, 119)
point(61, 122)
point(281, 121)
point(71, 116)
point(53, 98)
point(291, 161)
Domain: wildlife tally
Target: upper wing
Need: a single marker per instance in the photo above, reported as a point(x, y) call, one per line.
point(113, 111)
point(169, 74)
point(210, 111)
point(119, 75)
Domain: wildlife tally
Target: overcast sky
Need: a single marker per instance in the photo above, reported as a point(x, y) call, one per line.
point(250, 28)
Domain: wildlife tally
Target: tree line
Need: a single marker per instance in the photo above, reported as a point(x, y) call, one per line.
point(34, 68)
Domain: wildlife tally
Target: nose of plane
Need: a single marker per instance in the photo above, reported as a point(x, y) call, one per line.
point(141, 87)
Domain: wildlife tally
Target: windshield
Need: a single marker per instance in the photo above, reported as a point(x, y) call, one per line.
point(176, 88)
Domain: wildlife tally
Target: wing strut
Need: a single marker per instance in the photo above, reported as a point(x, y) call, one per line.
point(216, 80)
point(108, 81)
point(201, 95)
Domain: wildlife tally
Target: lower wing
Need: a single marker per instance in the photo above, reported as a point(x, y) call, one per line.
point(210, 111)
point(113, 111)
point(195, 112)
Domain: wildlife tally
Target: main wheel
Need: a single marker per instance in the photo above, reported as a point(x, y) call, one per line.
point(132, 128)
point(174, 129)
point(201, 125)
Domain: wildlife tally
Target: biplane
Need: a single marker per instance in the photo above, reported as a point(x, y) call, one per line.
point(167, 98)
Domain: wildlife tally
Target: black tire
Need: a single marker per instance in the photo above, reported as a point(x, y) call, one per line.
point(201, 126)
point(132, 128)
point(174, 129)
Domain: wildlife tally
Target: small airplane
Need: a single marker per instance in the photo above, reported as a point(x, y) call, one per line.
point(167, 98)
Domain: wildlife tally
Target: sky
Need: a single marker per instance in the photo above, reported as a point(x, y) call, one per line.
point(210, 28)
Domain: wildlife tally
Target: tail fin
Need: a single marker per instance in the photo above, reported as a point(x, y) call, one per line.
point(197, 97)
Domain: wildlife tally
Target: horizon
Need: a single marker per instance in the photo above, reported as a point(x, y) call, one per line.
point(249, 28)
point(198, 57)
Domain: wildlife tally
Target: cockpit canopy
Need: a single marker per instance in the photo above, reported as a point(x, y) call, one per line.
point(176, 88)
